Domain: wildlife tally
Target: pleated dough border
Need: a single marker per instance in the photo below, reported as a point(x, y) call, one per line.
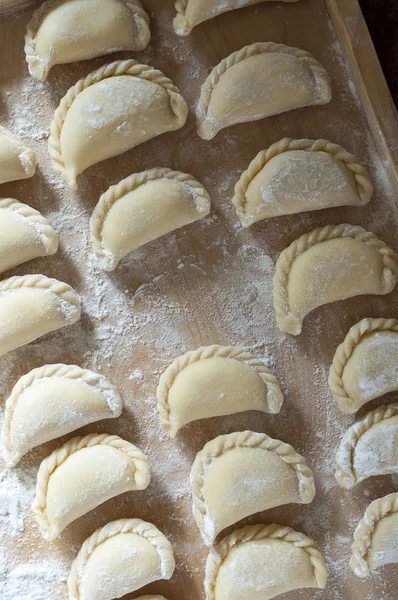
point(322, 234)
point(137, 526)
point(257, 533)
point(345, 473)
point(376, 511)
point(274, 392)
point(35, 63)
point(245, 439)
point(59, 456)
point(60, 289)
point(121, 67)
point(363, 184)
point(344, 353)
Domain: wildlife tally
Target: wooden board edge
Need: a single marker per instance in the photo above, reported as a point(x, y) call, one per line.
point(369, 79)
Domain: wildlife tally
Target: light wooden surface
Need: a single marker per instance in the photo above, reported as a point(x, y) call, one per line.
point(212, 281)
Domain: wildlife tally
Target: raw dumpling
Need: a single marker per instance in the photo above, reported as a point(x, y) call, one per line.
point(24, 234)
point(112, 110)
point(143, 207)
point(52, 401)
point(192, 12)
point(120, 558)
point(213, 381)
point(329, 264)
point(81, 475)
point(33, 305)
point(260, 562)
point(375, 538)
point(365, 364)
point(17, 161)
point(294, 176)
point(243, 473)
point(369, 447)
point(259, 81)
point(65, 31)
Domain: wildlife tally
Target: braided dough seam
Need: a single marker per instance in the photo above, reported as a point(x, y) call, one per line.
point(130, 184)
point(60, 289)
point(236, 58)
point(61, 371)
point(47, 235)
point(40, 69)
point(376, 511)
point(167, 379)
point(136, 526)
point(345, 473)
point(344, 352)
point(59, 456)
point(322, 234)
point(127, 67)
point(362, 180)
point(257, 533)
point(244, 439)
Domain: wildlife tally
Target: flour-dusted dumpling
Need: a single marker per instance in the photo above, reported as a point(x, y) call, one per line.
point(24, 234)
point(259, 81)
point(369, 447)
point(242, 473)
point(17, 160)
point(213, 381)
point(375, 538)
point(120, 558)
point(365, 364)
point(33, 305)
point(81, 475)
point(329, 264)
point(143, 207)
point(192, 12)
point(52, 401)
point(294, 176)
point(112, 110)
point(65, 31)
point(260, 562)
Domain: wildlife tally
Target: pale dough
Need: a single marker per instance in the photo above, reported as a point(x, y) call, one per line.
point(261, 562)
point(329, 264)
point(112, 110)
point(17, 160)
point(24, 234)
point(33, 305)
point(259, 81)
point(192, 12)
point(65, 31)
point(365, 365)
point(369, 447)
point(213, 381)
point(52, 401)
point(143, 207)
point(120, 558)
point(242, 473)
point(81, 475)
point(294, 176)
point(375, 538)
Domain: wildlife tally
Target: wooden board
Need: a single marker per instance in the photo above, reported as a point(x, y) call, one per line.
point(212, 281)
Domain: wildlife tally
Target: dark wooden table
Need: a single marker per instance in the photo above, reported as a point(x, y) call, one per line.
point(382, 19)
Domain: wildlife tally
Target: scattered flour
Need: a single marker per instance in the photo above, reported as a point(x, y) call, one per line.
point(208, 283)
